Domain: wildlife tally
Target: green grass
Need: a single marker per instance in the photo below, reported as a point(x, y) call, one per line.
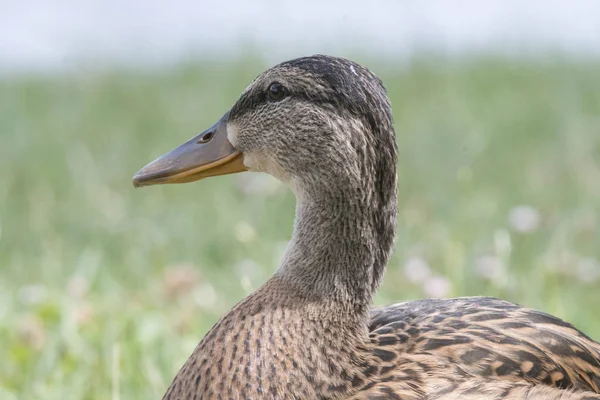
point(105, 290)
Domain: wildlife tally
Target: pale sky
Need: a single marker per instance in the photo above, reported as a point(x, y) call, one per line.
point(56, 33)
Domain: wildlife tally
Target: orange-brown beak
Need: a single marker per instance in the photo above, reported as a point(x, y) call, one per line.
point(207, 154)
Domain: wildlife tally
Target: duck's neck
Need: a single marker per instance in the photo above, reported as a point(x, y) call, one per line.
point(341, 243)
point(304, 333)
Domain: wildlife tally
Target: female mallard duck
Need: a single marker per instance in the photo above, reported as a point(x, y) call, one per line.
point(323, 125)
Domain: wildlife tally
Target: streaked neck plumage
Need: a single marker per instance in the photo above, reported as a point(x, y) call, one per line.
point(340, 244)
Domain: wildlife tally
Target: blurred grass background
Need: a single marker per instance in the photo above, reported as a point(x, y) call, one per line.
point(105, 290)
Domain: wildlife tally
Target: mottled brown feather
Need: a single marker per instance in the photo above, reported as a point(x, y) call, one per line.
point(508, 351)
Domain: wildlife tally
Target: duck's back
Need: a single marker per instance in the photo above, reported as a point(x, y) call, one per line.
point(480, 348)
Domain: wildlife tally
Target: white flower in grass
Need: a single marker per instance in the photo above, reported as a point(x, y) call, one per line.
point(588, 270)
point(77, 287)
point(417, 270)
point(244, 232)
point(32, 294)
point(524, 219)
point(205, 296)
point(490, 267)
point(437, 286)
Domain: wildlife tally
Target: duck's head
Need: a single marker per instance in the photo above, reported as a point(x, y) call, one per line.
point(317, 123)
point(324, 126)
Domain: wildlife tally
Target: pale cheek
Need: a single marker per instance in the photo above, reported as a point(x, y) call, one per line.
point(250, 160)
point(257, 161)
point(232, 134)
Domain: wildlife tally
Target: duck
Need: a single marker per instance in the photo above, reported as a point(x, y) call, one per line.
point(323, 125)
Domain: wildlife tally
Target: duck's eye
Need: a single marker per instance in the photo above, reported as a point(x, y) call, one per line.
point(276, 91)
point(207, 136)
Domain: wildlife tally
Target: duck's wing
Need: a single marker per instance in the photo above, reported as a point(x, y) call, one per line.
point(460, 344)
point(471, 389)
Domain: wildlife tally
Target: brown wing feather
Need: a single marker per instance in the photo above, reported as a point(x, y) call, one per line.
point(479, 347)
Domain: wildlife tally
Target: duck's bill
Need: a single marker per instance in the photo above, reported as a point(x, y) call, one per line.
point(207, 154)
